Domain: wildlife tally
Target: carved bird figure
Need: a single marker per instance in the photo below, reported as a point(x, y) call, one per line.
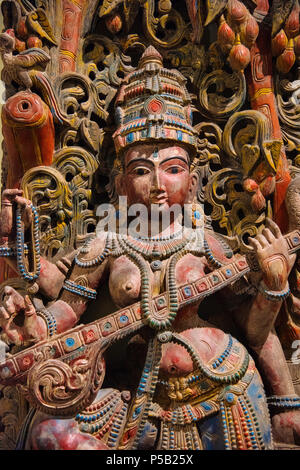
point(39, 23)
point(20, 68)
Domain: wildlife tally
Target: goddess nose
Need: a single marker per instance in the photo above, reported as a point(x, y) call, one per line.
point(156, 179)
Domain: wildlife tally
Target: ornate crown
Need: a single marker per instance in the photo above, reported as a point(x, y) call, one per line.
point(153, 104)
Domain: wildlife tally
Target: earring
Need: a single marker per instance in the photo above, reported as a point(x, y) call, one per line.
point(197, 215)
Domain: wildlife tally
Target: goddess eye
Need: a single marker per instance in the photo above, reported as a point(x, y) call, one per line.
point(174, 170)
point(141, 171)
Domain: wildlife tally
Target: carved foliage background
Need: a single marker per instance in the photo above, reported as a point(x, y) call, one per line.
point(74, 54)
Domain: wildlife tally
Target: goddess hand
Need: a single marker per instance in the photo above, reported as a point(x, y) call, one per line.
point(272, 255)
point(28, 329)
point(10, 197)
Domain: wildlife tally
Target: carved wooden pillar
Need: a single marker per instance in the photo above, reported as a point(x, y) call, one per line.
point(261, 93)
point(29, 135)
point(72, 21)
point(28, 130)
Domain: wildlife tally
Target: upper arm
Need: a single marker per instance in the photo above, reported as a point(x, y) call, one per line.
point(52, 277)
point(82, 283)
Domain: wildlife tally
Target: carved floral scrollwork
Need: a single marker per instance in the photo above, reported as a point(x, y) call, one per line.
point(247, 141)
point(231, 208)
point(280, 13)
point(288, 100)
point(78, 168)
point(60, 193)
point(251, 129)
point(70, 386)
point(221, 94)
point(190, 60)
point(47, 189)
point(209, 142)
point(238, 194)
point(76, 165)
point(13, 410)
point(214, 8)
point(106, 65)
point(167, 30)
point(78, 98)
point(39, 23)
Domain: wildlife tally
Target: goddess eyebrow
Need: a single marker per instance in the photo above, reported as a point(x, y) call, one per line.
point(177, 157)
point(141, 160)
point(144, 160)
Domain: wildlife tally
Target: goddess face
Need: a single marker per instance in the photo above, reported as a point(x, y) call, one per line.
point(157, 174)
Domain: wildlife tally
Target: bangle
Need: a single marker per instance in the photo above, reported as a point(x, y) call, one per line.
point(50, 321)
point(78, 289)
point(274, 296)
point(284, 402)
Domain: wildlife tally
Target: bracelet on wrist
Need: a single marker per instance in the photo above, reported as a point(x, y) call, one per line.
point(284, 402)
point(50, 320)
point(11, 251)
point(274, 296)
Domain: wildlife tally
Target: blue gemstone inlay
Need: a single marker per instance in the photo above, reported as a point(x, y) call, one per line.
point(187, 291)
point(179, 135)
point(130, 137)
point(70, 342)
point(206, 406)
point(124, 319)
point(230, 397)
point(136, 412)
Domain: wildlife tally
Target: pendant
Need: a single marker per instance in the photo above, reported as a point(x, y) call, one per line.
point(156, 265)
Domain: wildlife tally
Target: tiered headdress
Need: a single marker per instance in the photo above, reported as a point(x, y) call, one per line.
point(153, 104)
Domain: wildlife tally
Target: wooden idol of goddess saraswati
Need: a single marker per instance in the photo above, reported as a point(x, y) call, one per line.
point(187, 381)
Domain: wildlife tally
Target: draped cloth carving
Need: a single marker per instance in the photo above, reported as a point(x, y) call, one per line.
point(63, 64)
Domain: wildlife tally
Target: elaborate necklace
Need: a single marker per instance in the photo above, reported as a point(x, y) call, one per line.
point(146, 255)
point(99, 259)
point(163, 317)
point(161, 238)
point(161, 249)
point(214, 263)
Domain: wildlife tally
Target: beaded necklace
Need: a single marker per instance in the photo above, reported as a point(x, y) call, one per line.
point(156, 248)
point(99, 259)
point(148, 253)
point(24, 273)
point(138, 254)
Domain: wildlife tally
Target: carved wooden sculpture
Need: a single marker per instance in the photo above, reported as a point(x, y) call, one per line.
point(180, 337)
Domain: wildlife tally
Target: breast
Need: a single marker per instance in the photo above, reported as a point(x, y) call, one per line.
point(124, 282)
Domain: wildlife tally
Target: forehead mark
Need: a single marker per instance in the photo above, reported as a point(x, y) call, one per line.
point(155, 154)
